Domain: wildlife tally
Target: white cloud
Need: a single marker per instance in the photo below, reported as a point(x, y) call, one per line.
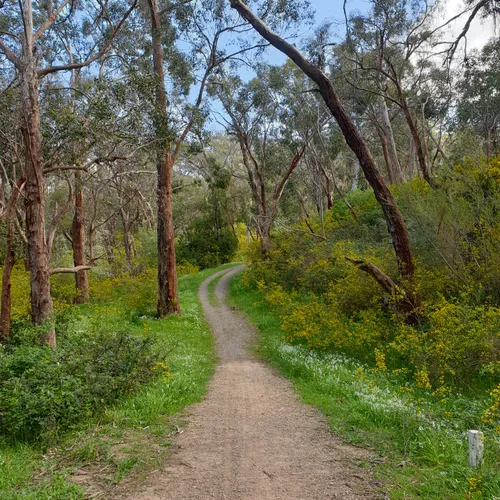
point(480, 31)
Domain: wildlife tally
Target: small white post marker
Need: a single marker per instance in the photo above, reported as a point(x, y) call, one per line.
point(476, 448)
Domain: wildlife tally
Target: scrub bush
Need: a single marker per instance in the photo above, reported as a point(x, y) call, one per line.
point(44, 391)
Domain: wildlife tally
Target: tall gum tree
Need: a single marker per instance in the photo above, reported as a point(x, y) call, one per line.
point(394, 219)
point(168, 300)
point(26, 61)
point(209, 24)
point(270, 152)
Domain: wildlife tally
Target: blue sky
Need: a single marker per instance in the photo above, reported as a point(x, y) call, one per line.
point(333, 9)
point(325, 10)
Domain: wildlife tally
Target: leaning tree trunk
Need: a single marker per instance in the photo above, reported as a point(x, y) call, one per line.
point(78, 243)
point(168, 301)
point(395, 222)
point(38, 252)
point(6, 281)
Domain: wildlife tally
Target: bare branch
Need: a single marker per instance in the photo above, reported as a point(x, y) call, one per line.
point(454, 45)
point(377, 274)
point(69, 270)
point(53, 15)
point(9, 54)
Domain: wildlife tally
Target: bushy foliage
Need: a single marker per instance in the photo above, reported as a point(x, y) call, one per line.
point(44, 390)
point(327, 303)
point(101, 354)
point(210, 239)
point(205, 246)
point(136, 291)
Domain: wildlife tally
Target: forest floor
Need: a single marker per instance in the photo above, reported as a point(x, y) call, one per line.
point(251, 437)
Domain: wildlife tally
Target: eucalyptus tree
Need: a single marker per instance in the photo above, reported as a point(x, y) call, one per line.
point(32, 45)
point(388, 53)
point(209, 26)
point(12, 183)
point(217, 157)
point(478, 107)
point(264, 118)
point(394, 219)
point(473, 9)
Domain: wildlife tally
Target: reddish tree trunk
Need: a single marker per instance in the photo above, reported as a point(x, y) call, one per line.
point(38, 252)
point(168, 301)
point(6, 281)
point(78, 243)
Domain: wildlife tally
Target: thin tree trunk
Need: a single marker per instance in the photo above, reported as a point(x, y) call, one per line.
point(78, 244)
point(6, 281)
point(91, 245)
point(168, 301)
point(395, 222)
point(38, 252)
point(488, 142)
point(412, 173)
point(387, 158)
point(328, 189)
point(355, 180)
point(127, 246)
point(396, 173)
point(109, 244)
point(419, 149)
point(425, 147)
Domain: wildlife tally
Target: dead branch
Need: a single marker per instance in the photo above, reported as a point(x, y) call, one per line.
point(377, 274)
point(69, 270)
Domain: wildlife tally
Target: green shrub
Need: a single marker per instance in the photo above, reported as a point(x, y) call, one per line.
point(327, 303)
point(43, 391)
point(205, 245)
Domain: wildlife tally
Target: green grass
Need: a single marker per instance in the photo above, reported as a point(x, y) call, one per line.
point(134, 435)
point(417, 453)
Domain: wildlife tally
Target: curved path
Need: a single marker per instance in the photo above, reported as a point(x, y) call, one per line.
point(251, 438)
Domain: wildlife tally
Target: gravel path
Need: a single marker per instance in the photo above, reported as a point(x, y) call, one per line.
point(251, 438)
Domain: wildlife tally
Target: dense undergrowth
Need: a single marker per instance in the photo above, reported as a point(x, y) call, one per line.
point(448, 361)
point(63, 410)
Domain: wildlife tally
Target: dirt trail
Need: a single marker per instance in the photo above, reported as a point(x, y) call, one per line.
point(251, 438)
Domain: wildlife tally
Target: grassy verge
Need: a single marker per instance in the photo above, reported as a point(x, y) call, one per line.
point(133, 435)
point(423, 451)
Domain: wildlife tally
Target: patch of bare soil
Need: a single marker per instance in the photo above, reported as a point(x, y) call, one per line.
point(251, 438)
